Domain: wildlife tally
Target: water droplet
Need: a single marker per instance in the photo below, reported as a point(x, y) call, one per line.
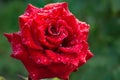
point(75, 63)
point(33, 75)
point(27, 14)
point(54, 7)
point(38, 61)
point(45, 60)
point(58, 59)
point(50, 10)
point(15, 53)
point(77, 40)
point(45, 11)
point(67, 58)
point(64, 10)
point(60, 45)
point(64, 34)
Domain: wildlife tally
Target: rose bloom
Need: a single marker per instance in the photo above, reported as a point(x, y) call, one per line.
point(51, 42)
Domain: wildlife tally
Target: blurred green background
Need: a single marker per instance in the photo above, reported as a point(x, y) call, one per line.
point(104, 37)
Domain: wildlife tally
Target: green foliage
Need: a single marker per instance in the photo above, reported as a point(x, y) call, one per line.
point(104, 38)
point(2, 78)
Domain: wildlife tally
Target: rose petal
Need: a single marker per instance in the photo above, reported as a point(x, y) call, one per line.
point(27, 37)
point(9, 36)
point(71, 50)
point(89, 55)
point(55, 57)
point(66, 26)
point(29, 13)
point(31, 9)
point(57, 5)
point(22, 20)
point(18, 48)
point(39, 57)
point(36, 71)
point(72, 22)
point(84, 29)
point(61, 70)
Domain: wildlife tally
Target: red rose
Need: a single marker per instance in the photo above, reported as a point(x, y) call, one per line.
point(51, 41)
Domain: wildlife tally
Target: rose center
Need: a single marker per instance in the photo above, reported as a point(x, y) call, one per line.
point(53, 30)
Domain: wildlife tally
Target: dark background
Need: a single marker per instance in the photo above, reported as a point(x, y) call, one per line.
point(104, 37)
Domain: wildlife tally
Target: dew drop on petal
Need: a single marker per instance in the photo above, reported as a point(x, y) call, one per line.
point(27, 14)
point(60, 45)
point(45, 11)
point(15, 53)
point(64, 34)
point(38, 61)
point(50, 10)
point(75, 63)
point(77, 40)
point(54, 7)
point(33, 75)
point(58, 59)
point(67, 58)
point(45, 60)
